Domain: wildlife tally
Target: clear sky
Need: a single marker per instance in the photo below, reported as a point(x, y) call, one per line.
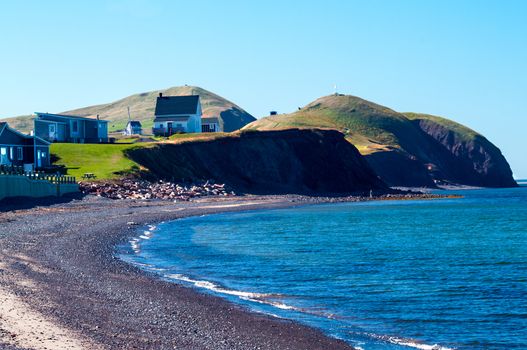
point(465, 60)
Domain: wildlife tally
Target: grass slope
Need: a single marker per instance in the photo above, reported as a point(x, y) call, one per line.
point(368, 126)
point(109, 161)
point(462, 131)
point(106, 161)
point(142, 107)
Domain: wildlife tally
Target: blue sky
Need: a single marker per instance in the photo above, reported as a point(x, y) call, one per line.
point(466, 60)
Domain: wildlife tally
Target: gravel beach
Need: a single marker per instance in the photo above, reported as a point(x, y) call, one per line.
point(62, 288)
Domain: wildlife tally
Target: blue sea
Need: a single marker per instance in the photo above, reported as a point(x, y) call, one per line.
point(425, 274)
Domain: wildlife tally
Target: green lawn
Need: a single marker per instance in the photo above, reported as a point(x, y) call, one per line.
point(103, 160)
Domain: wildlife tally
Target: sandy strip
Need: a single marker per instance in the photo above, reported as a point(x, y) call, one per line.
point(20, 326)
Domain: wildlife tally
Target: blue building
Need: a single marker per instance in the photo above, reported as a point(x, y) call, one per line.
point(70, 128)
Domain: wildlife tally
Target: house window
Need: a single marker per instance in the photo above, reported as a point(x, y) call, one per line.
point(51, 129)
point(12, 153)
point(75, 126)
point(20, 153)
point(3, 156)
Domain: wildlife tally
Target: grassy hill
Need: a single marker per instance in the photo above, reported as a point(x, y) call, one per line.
point(368, 126)
point(408, 149)
point(142, 107)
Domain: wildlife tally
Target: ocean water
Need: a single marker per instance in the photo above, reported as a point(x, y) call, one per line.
point(434, 274)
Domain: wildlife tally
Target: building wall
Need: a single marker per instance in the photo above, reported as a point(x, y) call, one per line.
point(210, 127)
point(176, 125)
point(11, 142)
point(10, 154)
point(191, 125)
point(103, 131)
point(71, 129)
point(41, 129)
point(42, 158)
point(195, 122)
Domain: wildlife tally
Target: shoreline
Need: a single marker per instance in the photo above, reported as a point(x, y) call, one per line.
point(59, 269)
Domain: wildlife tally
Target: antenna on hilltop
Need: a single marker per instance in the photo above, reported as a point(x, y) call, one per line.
point(335, 87)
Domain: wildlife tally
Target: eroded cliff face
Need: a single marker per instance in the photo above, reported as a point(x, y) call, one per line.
point(470, 160)
point(404, 149)
point(287, 161)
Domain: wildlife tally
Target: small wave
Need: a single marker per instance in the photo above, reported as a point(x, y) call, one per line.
point(211, 286)
point(278, 305)
point(411, 343)
point(260, 298)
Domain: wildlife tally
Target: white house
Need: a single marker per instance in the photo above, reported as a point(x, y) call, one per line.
point(175, 114)
point(133, 127)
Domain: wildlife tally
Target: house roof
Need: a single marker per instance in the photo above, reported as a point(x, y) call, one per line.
point(66, 116)
point(135, 123)
point(4, 126)
point(170, 105)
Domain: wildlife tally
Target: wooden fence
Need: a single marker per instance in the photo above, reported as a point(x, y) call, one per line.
point(36, 175)
point(15, 182)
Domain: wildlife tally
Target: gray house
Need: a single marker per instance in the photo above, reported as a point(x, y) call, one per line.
point(22, 150)
point(70, 128)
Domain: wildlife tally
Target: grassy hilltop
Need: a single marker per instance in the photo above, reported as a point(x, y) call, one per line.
point(142, 107)
point(368, 126)
point(405, 149)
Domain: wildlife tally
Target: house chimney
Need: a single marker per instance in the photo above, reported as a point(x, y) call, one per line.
point(160, 94)
point(97, 117)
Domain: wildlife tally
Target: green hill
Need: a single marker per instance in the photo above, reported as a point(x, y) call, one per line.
point(142, 107)
point(404, 149)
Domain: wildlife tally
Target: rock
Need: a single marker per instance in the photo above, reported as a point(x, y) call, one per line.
point(162, 190)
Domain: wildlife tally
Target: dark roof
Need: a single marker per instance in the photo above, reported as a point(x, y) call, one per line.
point(135, 123)
point(167, 105)
point(40, 115)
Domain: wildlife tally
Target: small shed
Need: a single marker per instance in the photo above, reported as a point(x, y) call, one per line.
point(210, 124)
point(133, 127)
